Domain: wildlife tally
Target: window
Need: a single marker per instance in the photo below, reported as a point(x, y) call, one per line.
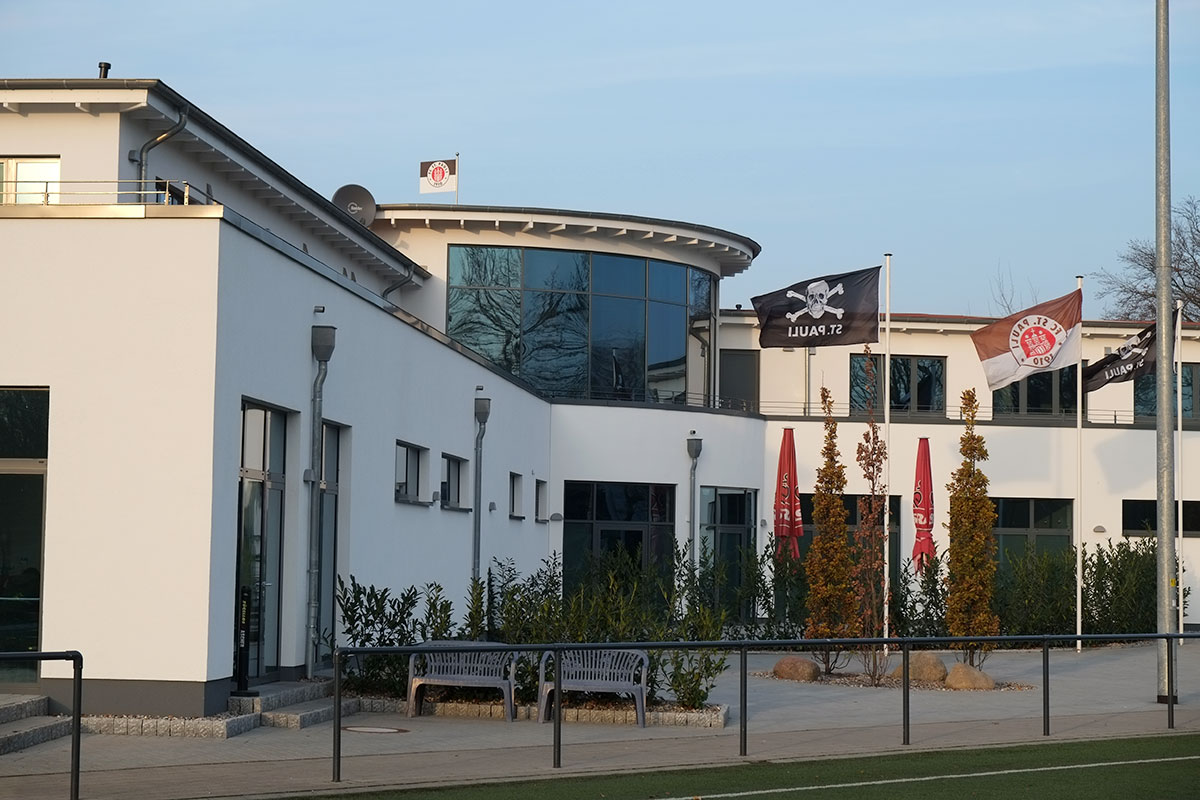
point(918, 384)
point(409, 461)
point(29, 180)
point(1140, 517)
point(452, 474)
point(515, 506)
point(850, 501)
point(727, 536)
point(739, 379)
point(1031, 525)
point(634, 519)
point(1043, 393)
point(1145, 393)
point(539, 501)
point(584, 325)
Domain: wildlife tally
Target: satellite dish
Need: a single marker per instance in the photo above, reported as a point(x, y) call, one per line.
point(356, 201)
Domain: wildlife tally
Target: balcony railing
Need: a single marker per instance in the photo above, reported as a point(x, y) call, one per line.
point(102, 192)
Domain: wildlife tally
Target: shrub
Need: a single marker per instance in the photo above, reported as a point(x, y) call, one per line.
point(919, 607)
point(1035, 594)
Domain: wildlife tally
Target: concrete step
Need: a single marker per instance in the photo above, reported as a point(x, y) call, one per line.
point(20, 706)
point(26, 732)
point(273, 696)
point(302, 715)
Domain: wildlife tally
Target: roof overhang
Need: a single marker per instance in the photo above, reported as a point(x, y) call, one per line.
point(732, 253)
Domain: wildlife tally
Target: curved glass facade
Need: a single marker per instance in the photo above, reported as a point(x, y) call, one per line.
point(586, 325)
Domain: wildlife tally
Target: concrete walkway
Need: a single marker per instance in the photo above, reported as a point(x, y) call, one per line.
point(1098, 693)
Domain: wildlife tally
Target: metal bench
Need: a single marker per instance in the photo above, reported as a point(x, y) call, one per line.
point(609, 671)
point(435, 667)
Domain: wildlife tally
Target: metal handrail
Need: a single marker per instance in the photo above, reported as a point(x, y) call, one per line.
point(167, 191)
point(743, 646)
point(76, 658)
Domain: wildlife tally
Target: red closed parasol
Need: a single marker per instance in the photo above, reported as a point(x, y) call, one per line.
point(789, 525)
point(923, 549)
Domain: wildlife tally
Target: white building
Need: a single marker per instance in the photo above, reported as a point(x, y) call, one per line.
point(164, 285)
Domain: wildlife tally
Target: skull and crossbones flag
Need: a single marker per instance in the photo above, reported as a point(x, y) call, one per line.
point(1134, 358)
point(1041, 338)
point(821, 312)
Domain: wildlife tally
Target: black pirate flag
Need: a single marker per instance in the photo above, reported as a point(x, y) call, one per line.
point(830, 310)
point(1134, 358)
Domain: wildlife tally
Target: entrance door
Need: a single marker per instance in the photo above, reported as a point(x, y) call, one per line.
point(21, 504)
point(260, 535)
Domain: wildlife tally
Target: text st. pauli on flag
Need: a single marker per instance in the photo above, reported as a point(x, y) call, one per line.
point(821, 312)
point(1041, 338)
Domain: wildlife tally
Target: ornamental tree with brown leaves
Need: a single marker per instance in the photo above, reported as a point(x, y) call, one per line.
point(972, 554)
point(829, 567)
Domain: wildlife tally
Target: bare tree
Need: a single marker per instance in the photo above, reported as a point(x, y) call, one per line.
point(1130, 289)
point(1005, 295)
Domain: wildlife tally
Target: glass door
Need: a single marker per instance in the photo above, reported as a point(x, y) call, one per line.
point(21, 504)
point(260, 537)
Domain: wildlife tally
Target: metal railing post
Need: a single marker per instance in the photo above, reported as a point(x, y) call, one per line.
point(742, 701)
point(904, 690)
point(337, 715)
point(76, 721)
point(557, 709)
point(1170, 683)
point(1046, 687)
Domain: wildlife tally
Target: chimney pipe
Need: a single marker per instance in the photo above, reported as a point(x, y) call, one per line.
point(104, 68)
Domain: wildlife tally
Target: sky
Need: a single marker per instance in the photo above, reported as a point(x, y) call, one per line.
point(996, 149)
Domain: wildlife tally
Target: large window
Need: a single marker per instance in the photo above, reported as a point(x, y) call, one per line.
point(728, 519)
point(918, 384)
point(1031, 525)
point(739, 379)
point(585, 325)
point(1145, 393)
point(850, 501)
point(29, 180)
point(1041, 394)
point(634, 519)
point(1140, 517)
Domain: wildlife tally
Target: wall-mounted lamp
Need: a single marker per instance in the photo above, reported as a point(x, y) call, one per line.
point(556, 517)
point(1099, 529)
point(492, 506)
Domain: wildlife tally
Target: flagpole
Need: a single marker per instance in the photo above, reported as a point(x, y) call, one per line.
point(457, 175)
point(1079, 485)
point(887, 435)
point(1179, 458)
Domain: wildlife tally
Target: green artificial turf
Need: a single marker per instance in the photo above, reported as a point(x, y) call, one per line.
point(1169, 779)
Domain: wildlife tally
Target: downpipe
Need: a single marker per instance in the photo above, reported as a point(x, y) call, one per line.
point(322, 348)
point(139, 157)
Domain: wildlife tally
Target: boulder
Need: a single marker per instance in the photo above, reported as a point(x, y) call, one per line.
point(922, 666)
point(797, 668)
point(963, 676)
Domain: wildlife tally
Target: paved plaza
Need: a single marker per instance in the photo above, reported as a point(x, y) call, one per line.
point(1102, 692)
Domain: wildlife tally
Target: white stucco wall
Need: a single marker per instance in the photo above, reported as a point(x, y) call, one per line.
point(118, 318)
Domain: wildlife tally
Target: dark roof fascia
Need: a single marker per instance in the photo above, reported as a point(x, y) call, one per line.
point(176, 99)
point(755, 247)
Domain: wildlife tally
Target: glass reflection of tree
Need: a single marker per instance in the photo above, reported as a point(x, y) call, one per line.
point(554, 343)
point(488, 322)
point(498, 267)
